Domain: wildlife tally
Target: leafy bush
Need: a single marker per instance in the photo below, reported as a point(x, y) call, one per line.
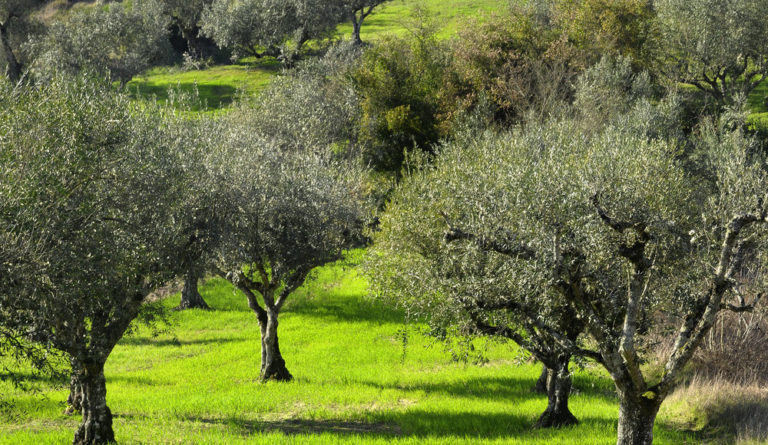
point(400, 82)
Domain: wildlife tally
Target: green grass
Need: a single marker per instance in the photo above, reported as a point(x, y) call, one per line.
point(355, 383)
point(396, 17)
point(218, 85)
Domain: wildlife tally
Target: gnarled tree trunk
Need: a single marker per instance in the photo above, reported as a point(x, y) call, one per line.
point(541, 382)
point(637, 415)
point(14, 67)
point(356, 25)
point(75, 398)
point(272, 363)
point(96, 427)
point(190, 296)
point(557, 413)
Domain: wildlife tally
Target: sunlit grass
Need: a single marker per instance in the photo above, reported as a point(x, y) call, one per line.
point(218, 85)
point(355, 382)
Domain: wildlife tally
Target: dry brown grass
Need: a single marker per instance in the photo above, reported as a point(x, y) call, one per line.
point(719, 407)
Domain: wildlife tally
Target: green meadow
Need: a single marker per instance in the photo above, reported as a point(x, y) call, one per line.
point(361, 376)
point(217, 86)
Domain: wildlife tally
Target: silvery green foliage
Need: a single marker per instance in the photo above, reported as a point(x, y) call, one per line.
point(310, 108)
point(611, 91)
point(92, 190)
point(287, 210)
point(268, 27)
point(609, 223)
point(118, 39)
point(716, 45)
point(609, 88)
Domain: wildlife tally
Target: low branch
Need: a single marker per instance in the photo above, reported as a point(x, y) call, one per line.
point(516, 251)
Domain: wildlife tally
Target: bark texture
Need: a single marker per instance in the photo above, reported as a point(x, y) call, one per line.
point(272, 363)
point(541, 383)
point(190, 296)
point(75, 398)
point(14, 67)
point(557, 413)
point(356, 25)
point(96, 427)
point(636, 418)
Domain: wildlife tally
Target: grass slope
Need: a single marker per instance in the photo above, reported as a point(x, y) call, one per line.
point(218, 85)
point(355, 383)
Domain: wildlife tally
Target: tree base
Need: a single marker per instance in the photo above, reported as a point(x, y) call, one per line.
point(199, 305)
point(96, 430)
point(278, 374)
point(552, 419)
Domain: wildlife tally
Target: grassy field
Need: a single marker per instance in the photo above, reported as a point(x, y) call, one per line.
point(355, 382)
point(218, 85)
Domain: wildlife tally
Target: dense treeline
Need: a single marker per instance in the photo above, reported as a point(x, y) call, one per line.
point(576, 177)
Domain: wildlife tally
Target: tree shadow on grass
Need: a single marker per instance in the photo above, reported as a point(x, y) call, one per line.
point(349, 308)
point(512, 389)
point(212, 97)
point(414, 423)
point(175, 342)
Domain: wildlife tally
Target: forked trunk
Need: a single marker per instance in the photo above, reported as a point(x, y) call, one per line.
point(557, 413)
point(541, 383)
point(190, 296)
point(272, 363)
point(75, 398)
point(97, 418)
point(356, 25)
point(636, 418)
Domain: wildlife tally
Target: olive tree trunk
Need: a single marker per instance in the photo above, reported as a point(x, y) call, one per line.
point(636, 418)
point(541, 382)
point(557, 413)
point(356, 25)
point(190, 296)
point(14, 67)
point(75, 398)
point(96, 427)
point(272, 363)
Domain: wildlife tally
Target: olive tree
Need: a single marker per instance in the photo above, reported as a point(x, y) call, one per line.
point(186, 16)
point(268, 27)
point(88, 177)
point(716, 46)
point(313, 105)
point(609, 223)
point(118, 39)
point(357, 11)
point(288, 212)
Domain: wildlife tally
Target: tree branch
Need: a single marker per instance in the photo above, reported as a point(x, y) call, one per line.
point(516, 251)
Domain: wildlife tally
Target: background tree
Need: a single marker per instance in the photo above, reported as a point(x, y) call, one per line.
point(16, 24)
point(358, 11)
point(268, 27)
point(186, 16)
point(88, 178)
point(519, 63)
point(399, 82)
point(120, 39)
point(289, 211)
point(715, 46)
point(318, 95)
